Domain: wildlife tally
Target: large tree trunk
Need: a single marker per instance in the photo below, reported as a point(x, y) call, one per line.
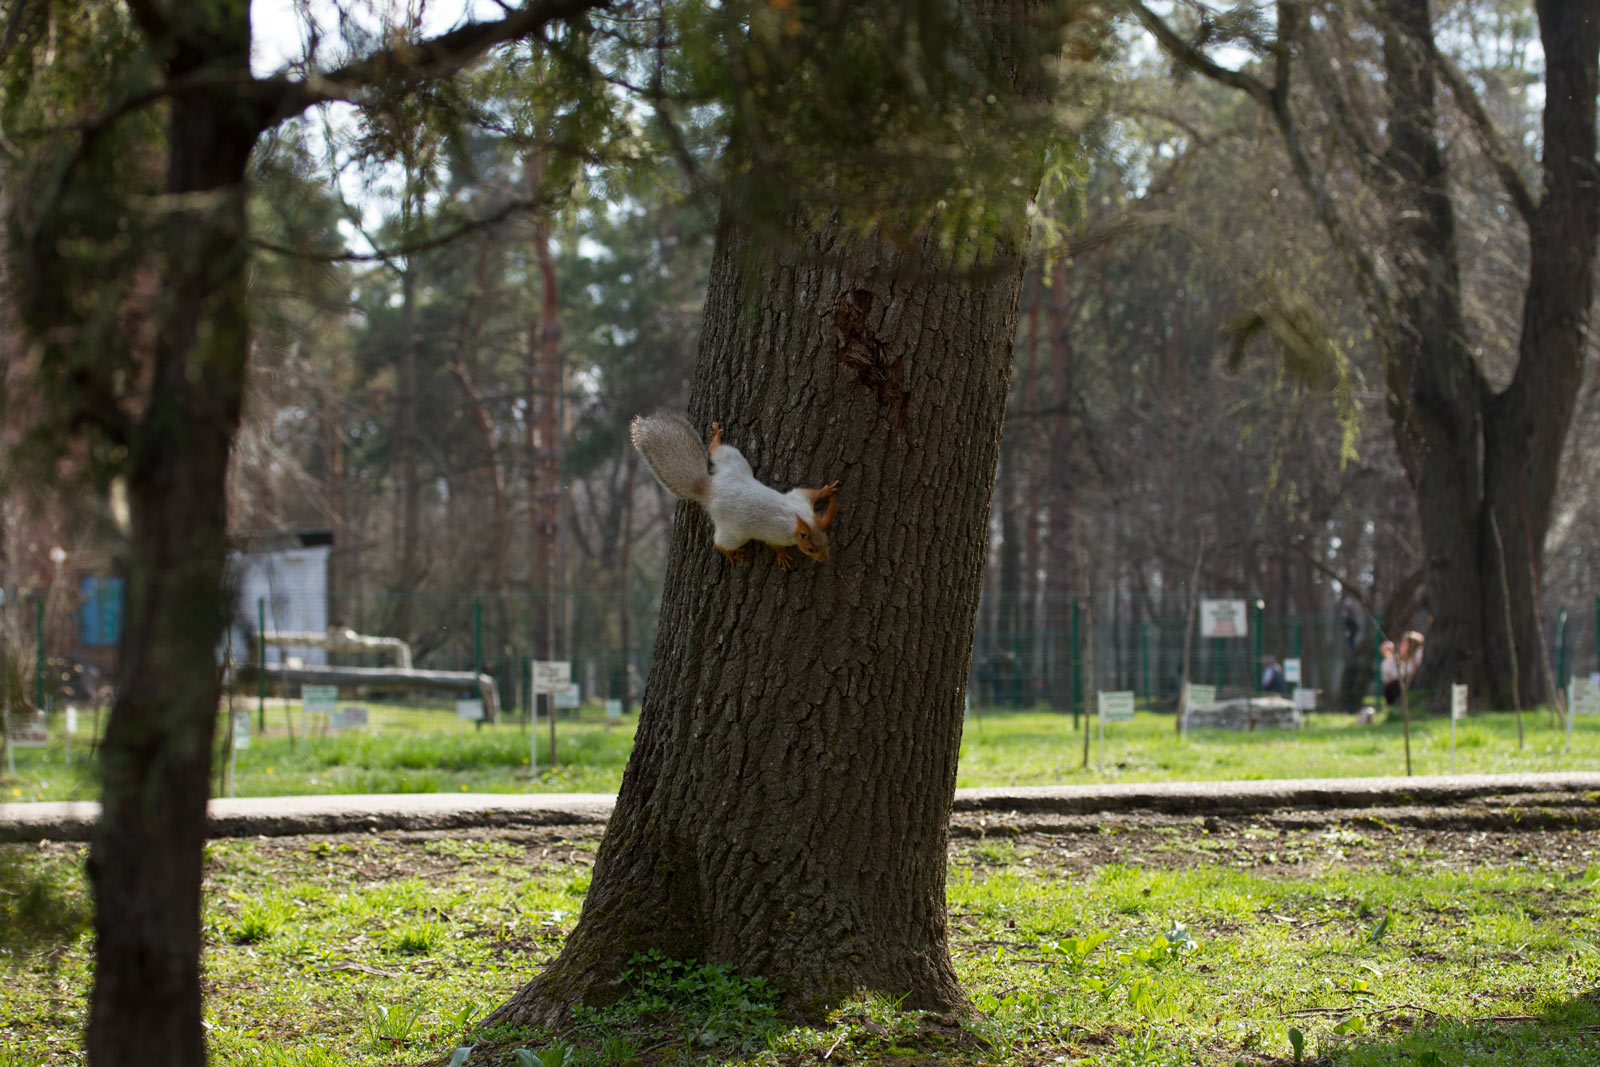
point(1525, 426)
point(785, 807)
point(145, 858)
point(1482, 465)
point(1435, 387)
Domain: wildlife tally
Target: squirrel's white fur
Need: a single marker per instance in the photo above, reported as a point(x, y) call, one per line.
point(741, 508)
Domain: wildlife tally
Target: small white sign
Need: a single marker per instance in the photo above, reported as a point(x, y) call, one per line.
point(1305, 699)
point(1583, 696)
point(469, 710)
point(241, 730)
point(1201, 697)
point(72, 720)
point(1458, 701)
point(1223, 618)
point(350, 717)
point(551, 676)
point(1291, 671)
point(319, 699)
point(1116, 706)
point(613, 709)
point(569, 697)
point(30, 732)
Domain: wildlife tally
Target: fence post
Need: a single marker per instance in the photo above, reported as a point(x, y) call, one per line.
point(477, 635)
point(1561, 649)
point(1254, 673)
point(1077, 672)
point(38, 655)
point(1144, 658)
point(261, 665)
point(1377, 662)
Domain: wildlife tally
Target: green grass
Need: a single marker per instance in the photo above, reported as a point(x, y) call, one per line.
point(1032, 748)
point(384, 951)
point(404, 750)
point(424, 750)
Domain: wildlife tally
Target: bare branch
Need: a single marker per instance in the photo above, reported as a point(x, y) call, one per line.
point(489, 221)
point(1489, 139)
point(1198, 61)
point(410, 62)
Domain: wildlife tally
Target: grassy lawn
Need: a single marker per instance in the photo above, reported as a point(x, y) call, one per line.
point(421, 750)
point(1216, 944)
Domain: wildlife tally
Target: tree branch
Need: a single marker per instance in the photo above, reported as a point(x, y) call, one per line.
point(1489, 139)
point(488, 221)
point(1274, 100)
point(1197, 61)
point(409, 62)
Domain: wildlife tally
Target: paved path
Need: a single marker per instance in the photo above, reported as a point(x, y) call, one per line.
point(276, 816)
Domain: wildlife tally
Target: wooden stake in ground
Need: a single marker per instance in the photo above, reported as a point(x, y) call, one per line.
point(1188, 636)
point(1088, 670)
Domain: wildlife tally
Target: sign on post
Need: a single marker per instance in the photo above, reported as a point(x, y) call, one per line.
point(1583, 698)
point(1291, 671)
point(318, 703)
point(1223, 618)
point(569, 697)
point(469, 710)
point(241, 730)
point(613, 708)
point(1116, 706)
point(350, 717)
point(1305, 699)
point(1197, 698)
point(30, 732)
point(551, 676)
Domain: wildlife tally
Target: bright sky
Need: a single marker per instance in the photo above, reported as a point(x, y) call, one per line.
point(279, 31)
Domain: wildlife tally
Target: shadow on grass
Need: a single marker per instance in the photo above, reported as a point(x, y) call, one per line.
point(1564, 1033)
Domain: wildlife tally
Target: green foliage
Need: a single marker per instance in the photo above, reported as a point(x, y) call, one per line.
point(556, 1054)
point(394, 1026)
point(817, 102)
point(260, 918)
point(709, 1004)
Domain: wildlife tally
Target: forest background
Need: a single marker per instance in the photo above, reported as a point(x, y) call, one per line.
point(456, 322)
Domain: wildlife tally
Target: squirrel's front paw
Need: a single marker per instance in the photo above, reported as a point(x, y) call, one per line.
point(784, 560)
point(734, 555)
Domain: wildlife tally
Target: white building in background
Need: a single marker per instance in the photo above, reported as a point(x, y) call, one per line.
point(284, 573)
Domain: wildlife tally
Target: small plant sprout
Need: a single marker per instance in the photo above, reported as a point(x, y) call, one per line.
point(1297, 1042)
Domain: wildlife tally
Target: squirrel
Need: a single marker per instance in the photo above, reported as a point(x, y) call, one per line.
point(741, 508)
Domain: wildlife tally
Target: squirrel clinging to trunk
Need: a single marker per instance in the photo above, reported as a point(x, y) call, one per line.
point(719, 479)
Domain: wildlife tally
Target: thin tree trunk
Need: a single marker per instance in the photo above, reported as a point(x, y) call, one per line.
point(1061, 576)
point(144, 861)
point(544, 454)
point(624, 581)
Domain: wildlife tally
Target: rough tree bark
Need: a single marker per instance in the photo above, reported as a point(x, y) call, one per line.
point(176, 416)
point(785, 806)
point(144, 860)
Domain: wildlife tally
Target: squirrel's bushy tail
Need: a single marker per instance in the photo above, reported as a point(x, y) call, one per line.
point(675, 453)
